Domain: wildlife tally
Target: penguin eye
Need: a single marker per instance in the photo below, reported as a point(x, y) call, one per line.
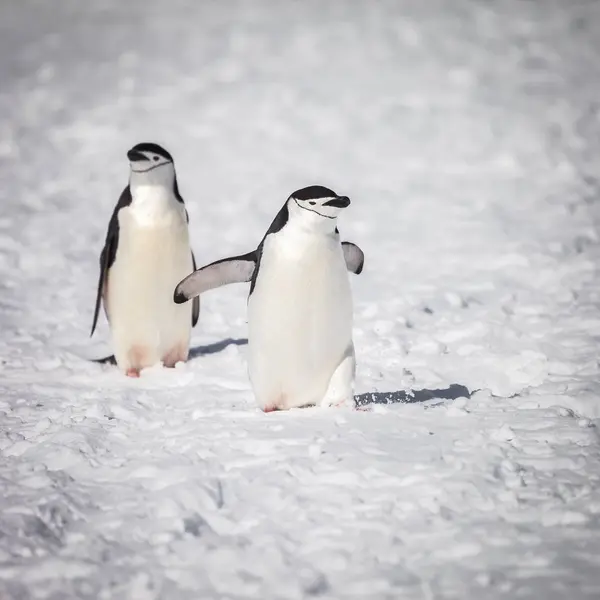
point(311, 202)
point(155, 158)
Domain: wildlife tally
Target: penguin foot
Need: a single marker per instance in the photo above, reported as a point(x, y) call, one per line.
point(269, 409)
point(340, 393)
point(335, 403)
point(138, 357)
point(177, 354)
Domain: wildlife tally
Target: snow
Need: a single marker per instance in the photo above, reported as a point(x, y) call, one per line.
point(467, 136)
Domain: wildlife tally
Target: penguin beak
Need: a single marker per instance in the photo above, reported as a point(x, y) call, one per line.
point(135, 156)
point(339, 202)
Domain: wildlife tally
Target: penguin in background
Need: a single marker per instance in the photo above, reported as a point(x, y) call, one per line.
point(300, 310)
point(146, 252)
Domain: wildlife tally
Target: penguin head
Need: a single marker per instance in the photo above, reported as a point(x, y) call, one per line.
point(151, 164)
point(317, 205)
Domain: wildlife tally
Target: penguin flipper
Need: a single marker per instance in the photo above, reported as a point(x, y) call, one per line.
point(104, 259)
point(196, 301)
point(109, 252)
point(236, 269)
point(99, 292)
point(354, 257)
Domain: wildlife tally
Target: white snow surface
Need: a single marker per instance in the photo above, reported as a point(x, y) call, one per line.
point(467, 135)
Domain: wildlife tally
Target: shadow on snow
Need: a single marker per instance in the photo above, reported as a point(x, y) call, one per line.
point(194, 352)
point(452, 392)
point(216, 347)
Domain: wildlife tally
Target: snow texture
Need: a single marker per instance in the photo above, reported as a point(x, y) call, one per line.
point(467, 134)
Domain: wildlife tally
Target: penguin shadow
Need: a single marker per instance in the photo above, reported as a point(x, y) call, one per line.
point(105, 360)
point(215, 347)
point(452, 392)
point(195, 352)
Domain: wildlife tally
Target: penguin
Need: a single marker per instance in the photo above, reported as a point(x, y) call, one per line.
point(300, 311)
point(146, 252)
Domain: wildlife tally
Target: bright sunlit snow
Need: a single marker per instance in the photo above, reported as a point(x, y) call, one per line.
point(467, 135)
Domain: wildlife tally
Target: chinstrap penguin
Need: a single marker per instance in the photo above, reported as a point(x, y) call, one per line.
point(300, 349)
point(146, 252)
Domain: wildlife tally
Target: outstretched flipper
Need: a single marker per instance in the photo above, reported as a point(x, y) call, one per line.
point(354, 257)
point(236, 269)
point(109, 252)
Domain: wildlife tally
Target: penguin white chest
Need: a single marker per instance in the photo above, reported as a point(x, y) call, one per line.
point(153, 255)
point(299, 318)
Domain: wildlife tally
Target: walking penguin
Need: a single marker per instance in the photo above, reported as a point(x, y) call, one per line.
point(146, 252)
point(300, 349)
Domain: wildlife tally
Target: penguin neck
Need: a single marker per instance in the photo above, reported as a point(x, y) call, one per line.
point(153, 201)
point(163, 177)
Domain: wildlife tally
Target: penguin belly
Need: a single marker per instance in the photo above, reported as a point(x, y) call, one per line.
point(299, 320)
point(147, 327)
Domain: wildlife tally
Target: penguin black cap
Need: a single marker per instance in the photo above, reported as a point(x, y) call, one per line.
point(136, 153)
point(315, 192)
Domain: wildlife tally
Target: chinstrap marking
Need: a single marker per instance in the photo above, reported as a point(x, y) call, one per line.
point(149, 169)
point(311, 210)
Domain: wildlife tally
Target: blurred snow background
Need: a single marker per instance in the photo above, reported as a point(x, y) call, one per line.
point(467, 135)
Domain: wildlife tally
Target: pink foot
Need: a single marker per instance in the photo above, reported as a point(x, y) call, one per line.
point(137, 356)
point(269, 409)
point(177, 354)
